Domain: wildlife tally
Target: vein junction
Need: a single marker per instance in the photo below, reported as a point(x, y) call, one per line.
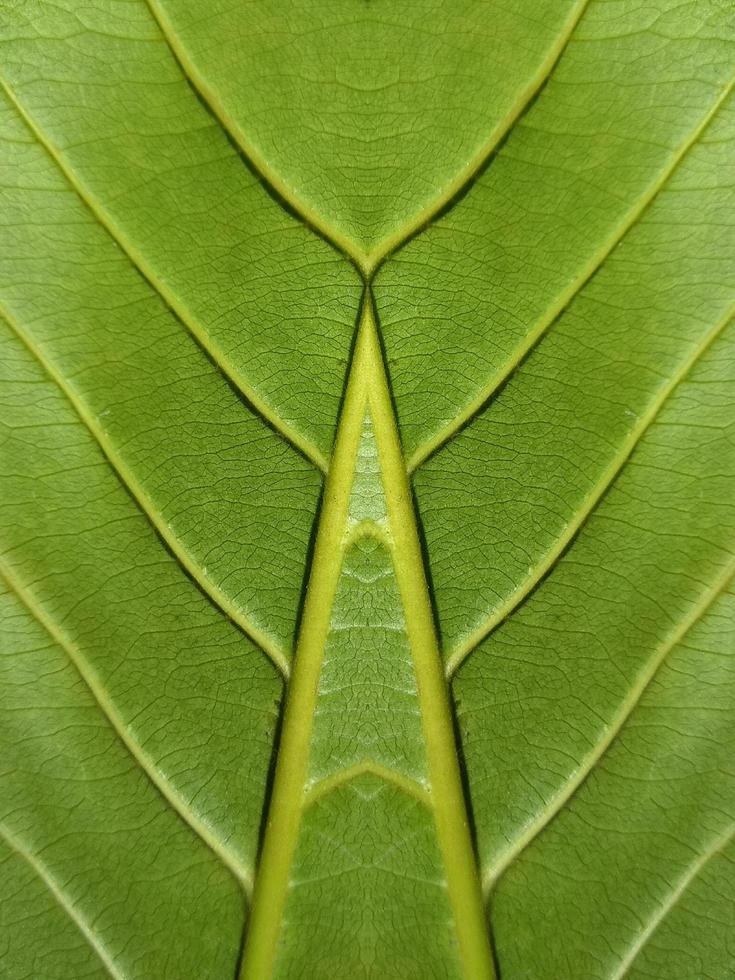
point(367, 814)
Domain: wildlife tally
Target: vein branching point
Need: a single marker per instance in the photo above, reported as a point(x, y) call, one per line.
point(367, 652)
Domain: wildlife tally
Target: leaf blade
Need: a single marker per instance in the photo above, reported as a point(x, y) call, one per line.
point(561, 326)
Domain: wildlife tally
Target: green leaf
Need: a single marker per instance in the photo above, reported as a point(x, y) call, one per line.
point(366, 490)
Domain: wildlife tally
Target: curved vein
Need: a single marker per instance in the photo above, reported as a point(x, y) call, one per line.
point(463, 649)
point(253, 157)
point(258, 404)
point(367, 263)
point(56, 890)
point(147, 505)
point(698, 609)
point(635, 213)
point(484, 155)
point(695, 868)
point(408, 786)
point(106, 705)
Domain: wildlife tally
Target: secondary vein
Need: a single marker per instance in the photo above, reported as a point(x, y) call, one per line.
point(149, 766)
point(626, 449)
point(408, 786)
point(252, 156)
point(146, 504)
point(694, 869)
point(642, 683)
point(563, 300)
point(489, 148)
point(79, 920)
point(255, 401)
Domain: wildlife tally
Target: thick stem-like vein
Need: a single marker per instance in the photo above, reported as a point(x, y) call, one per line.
point(289, 790)
point(108, 708)
point(146, 504)
point(565, 297)
point(80, 921)
point(218, 356)
point(449, 804)
point(367, 393)
point(587, 764)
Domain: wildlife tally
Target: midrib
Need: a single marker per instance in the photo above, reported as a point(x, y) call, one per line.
point(367, 392)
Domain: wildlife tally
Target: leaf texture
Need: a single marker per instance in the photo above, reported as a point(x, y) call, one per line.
point(368, 467)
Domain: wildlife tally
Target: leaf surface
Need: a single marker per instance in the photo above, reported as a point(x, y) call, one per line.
point(368, 120)
point(368, 466)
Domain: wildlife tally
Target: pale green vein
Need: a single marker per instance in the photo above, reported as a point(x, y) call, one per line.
point(175, 304)
point(97, 689)
point(408, 786)
point(366, 262)
point(72, 912)
point(449, 804)
point(286, 804)
point(586, 765)
point(366, 529)
point(159, 522)
point(696, 867)
point(367, 391)
point(239, 137)
point(625, 450)
point(484, 154)
point(594, 262)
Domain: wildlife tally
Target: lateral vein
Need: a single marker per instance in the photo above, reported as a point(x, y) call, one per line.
point(490, 147)
point(96, 688)
point(647, 675)
point(255, 401)
point(694, 869)
point(406, 785)
point(250, 153)
point(367, 263)
point(466, 646)
point(15, 845)
point(635, 213)
point(128, 480)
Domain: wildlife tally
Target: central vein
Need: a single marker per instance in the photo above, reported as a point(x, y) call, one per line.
point(367, 867)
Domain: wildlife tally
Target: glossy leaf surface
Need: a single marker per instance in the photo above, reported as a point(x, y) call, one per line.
point(368, 474)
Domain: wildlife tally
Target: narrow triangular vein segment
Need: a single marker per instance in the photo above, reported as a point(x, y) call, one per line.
point(367, 811)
